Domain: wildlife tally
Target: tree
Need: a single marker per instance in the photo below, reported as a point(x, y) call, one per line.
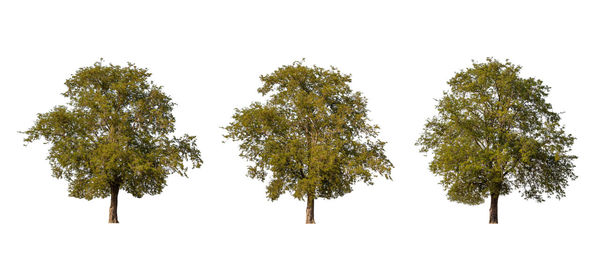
point(495, 133)
point(312, 135)
point(113, 135)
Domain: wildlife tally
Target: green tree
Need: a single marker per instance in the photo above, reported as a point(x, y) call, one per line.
point(312, 135)
point(495, 133)
point(113, 134)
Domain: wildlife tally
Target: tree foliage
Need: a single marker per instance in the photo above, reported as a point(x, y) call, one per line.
point(495, 132)
point(312, 137)
point(114, 132)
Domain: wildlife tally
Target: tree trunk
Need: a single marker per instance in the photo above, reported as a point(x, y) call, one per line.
point(112, 211)
point(310, 210)
point(494, 208)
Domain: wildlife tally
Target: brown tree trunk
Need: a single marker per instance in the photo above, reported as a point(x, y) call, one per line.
point(310, 210)
point(112, 211)
point(494, 208)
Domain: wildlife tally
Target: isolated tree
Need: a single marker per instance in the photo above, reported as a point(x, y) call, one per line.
point(312, 136)
point(495, 133)
point(113, 135)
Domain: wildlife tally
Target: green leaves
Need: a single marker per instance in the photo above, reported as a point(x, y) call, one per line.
point(495, 132)
point(114, 131)
point(311, 137)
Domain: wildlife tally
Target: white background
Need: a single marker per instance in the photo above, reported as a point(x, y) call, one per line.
point(209, 55)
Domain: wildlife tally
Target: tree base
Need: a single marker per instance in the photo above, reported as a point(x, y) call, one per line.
point(494, 208)
point(310, 210)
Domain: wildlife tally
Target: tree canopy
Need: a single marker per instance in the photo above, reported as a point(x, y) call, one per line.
point(312, 137)
point(114, 133)
point(494, 133)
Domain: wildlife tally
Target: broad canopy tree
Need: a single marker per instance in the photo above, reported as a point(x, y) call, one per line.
point(114, 134)
point(495, 133)
point(311, 138)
